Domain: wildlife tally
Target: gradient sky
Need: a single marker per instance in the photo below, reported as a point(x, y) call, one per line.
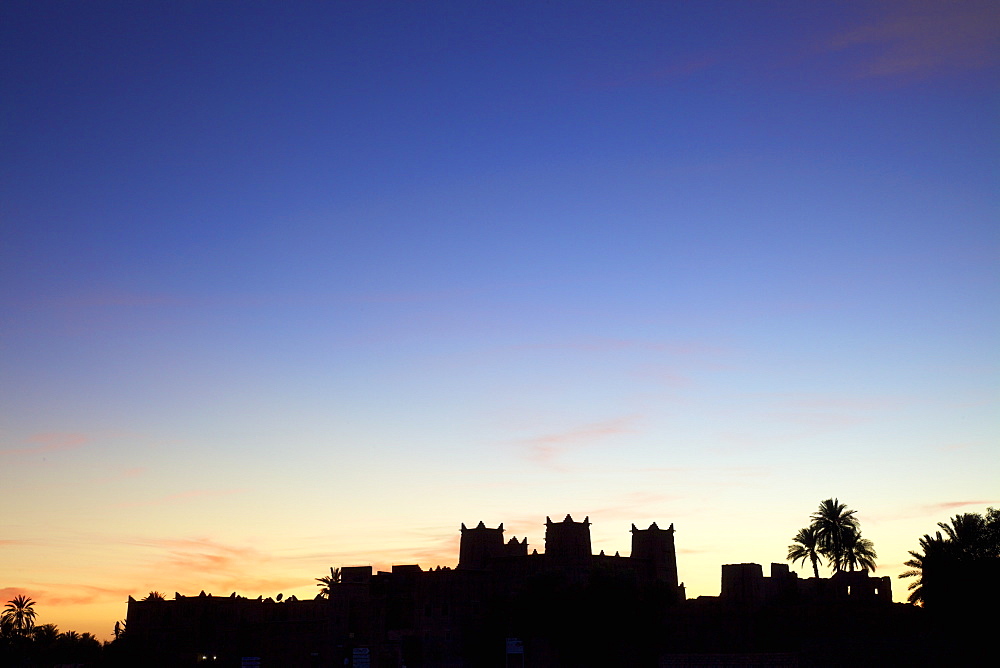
point(288, 286)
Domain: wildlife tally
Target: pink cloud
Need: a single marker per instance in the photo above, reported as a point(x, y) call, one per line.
point(126, 474)
point(49, 442)
point(664, 375)
point(406, 297)
point(127, 300)
point(7, 593)
point(683, 348)
point(51, 595)
point(948, 506)
point(935, 512)
point(834, 402)
point(921, 39)
point(201, 563)
point(184, 496)
point(689, 550)
point(792, 417)
point(438, 551)
point(201, 493)
point(80, 594)
point(819, 422)
point(634, 505)
point(951, 447)
point(13, 543)
point(546, 448)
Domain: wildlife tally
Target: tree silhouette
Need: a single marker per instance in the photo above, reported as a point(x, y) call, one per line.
point(19, 615)
point(951, 567)
point(835, 525)
point(154, 596)
point(967, 535)
point(933, 547)
point(834, 534)
point(858, 552)
point(45, 634)
point(806, 548)
point(327, 582)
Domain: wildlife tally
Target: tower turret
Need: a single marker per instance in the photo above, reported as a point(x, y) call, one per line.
point(655, 547)
point(479, 545)
point(568, 540)
point(516, 548)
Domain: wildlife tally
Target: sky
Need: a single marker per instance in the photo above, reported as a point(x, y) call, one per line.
point(292, 286)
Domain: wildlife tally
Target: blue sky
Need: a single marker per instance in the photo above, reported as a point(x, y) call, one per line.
point(278, 274)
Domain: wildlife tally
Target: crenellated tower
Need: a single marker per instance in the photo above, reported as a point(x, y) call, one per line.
point(479, 545)
point(655, 547)
point(568, 540)
point(516, 548)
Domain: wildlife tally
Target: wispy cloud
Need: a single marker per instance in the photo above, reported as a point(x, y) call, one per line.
point(430, 552)
point(839, 402)
point(14, 543)
point(195, 564)
point(202, 554)
point(948, 506)
point(664, 375)
point(916, 40)
point(183, 497)
point(7, 593)
point(545, 449)
point(48, 442)
point(793, 417)
point(80, 594)
point(632, 505)
point(201, 494)
point(952, 447)
point(127, 299)
point(126, 474)
point(934, 512)
point(60, 594)
point(684, 348)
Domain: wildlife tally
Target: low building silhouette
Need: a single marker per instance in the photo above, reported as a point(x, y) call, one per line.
point(745, 584)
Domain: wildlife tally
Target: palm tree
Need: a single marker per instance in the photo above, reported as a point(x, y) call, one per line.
point(858, 552)
point(834, 525)
point(806, 547)
point(965, 533)
point(45, 634)
point(931, 546)
point(970, 544)
point(155, 596)
point(19, 615)
point(327, 582)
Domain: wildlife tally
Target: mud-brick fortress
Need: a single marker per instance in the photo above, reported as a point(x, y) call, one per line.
point(409, 616)
point(568, 554)
point(564, 606)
